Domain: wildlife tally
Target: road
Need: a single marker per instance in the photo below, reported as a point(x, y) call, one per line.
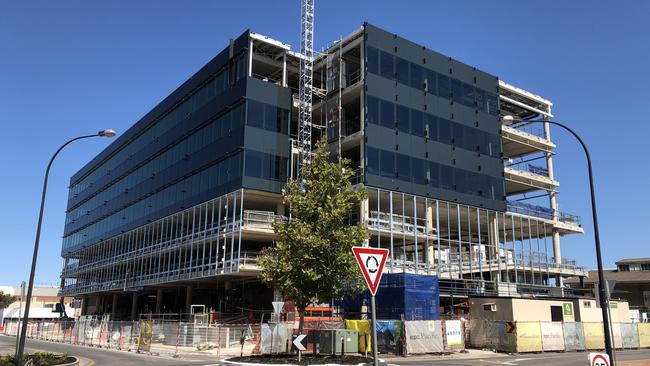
point(100, 357)
point(548, 359)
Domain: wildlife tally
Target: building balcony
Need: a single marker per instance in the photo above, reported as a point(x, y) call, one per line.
point(523, 178)
point(524, 140)
point(566, 223)
point(385, 224)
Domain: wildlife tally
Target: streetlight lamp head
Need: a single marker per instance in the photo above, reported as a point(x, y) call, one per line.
point(107, 133)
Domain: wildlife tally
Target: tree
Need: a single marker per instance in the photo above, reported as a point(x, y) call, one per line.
point(312, 260)
point(6, 300)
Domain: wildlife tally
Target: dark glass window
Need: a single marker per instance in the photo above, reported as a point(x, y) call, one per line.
point(434, 174)
point(387, 164)
point(460, 180)
point(387, 68)
point(372, 110)
point(444, 131)
point(418, 171)
point(403, 163)
point(372, 57)
point(402, 70)
point(444, 86)
point(492, 104)
point(271, 118)
point(387, 114)
point(431, 82)
point(255, 116)
point(457, 91)
point(416, 80)
point(446, 177)
point(403, 120)
point(468, 95)
point(372, 158)
point(480, 99)
point(417, 123)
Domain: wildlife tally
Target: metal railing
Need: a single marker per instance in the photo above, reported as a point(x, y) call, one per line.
point(530, 168)
point(398, 224)
point(543, 212)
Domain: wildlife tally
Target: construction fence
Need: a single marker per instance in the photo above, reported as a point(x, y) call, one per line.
point(520, 337)
point(164, 337)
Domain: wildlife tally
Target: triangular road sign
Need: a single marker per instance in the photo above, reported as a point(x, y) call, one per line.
point(371, 261)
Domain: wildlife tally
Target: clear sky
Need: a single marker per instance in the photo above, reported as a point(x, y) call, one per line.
point(74, 67)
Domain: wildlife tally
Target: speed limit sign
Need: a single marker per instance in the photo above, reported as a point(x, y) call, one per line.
point(598, 359)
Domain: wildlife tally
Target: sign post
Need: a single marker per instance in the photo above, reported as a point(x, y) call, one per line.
point(371, 262)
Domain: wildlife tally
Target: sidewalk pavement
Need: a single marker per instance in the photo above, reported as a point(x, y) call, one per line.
point(469, 354)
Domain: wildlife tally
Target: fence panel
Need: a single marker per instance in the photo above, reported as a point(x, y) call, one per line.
point(552, 336)
point(594, 336)
point(529, 337)
point(388, 336)
point(454, 335)
point(644, 334)
point(630, 335)
point(423, 336)
point(274, 337)
point(574, 336)
point(617, 337)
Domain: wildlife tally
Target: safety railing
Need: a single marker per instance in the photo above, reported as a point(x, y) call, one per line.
point(530, 168)
point(543, 212)
point(386, 222)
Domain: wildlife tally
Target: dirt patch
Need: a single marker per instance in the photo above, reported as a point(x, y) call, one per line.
point(306, 359)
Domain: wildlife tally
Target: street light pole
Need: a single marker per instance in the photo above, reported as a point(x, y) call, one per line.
point(30, 286)
point(604, 299)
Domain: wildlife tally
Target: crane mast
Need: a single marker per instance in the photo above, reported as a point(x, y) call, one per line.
point(306, 82)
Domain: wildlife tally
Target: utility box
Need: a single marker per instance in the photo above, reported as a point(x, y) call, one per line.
point(332, 341)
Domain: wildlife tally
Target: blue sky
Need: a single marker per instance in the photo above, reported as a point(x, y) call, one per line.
point(75, 67)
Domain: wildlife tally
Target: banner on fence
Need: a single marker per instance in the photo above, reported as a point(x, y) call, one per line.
point(630, 335)
point(529, 337)
point(146, 332)
point(552, 336)
point(617, 337)
point(388, 335)
point(574, 337)
point(454, 332)
point(362, 327)
point(273, 337)
point(644, 334)
point(423, 336)
point(594, 336)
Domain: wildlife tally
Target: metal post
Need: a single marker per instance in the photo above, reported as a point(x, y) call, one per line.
point(20, 310)
point(373, 329)
point(30, 286)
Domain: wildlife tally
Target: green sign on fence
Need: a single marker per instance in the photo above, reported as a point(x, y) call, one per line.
point(568, 308)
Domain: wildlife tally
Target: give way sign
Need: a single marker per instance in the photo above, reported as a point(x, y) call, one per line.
point(371, 261)
point(598, 359)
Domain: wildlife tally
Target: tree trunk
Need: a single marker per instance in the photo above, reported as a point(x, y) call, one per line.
point(301, 322)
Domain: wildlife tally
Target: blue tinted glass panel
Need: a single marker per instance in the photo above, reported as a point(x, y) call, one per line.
point(403, 120)
point(402, 70)
point(387, 114)
point(403, 163)
point(372, 158)
point(372, 110)
point(417, 123)
point(387, 65)
point(387, 164)
point(416, 79)
point(372, 57)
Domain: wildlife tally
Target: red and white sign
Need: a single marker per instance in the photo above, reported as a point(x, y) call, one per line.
point(371, 261)
point(598, 359)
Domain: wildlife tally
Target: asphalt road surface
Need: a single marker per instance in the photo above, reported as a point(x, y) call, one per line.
point(548, 359)
point(100, 357)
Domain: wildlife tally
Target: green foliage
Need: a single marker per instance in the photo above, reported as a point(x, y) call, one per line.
point(312, 260)
point(6, 300)
point(40, 359)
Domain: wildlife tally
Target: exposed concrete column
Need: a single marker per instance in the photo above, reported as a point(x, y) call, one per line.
point(493, 247)
point(364, 215)
point(431, 250)
point(557, 253)
point(84, 305)
point(188, 299)
point(134, 306)
point(284, 69)
point(114, 307)
point(159, 298)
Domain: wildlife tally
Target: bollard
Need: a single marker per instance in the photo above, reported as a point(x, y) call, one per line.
point(343, 346)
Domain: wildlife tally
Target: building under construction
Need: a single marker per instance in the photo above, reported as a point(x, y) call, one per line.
point(176, 210)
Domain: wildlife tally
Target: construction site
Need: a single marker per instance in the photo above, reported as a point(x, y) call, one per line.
point(168, 221)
